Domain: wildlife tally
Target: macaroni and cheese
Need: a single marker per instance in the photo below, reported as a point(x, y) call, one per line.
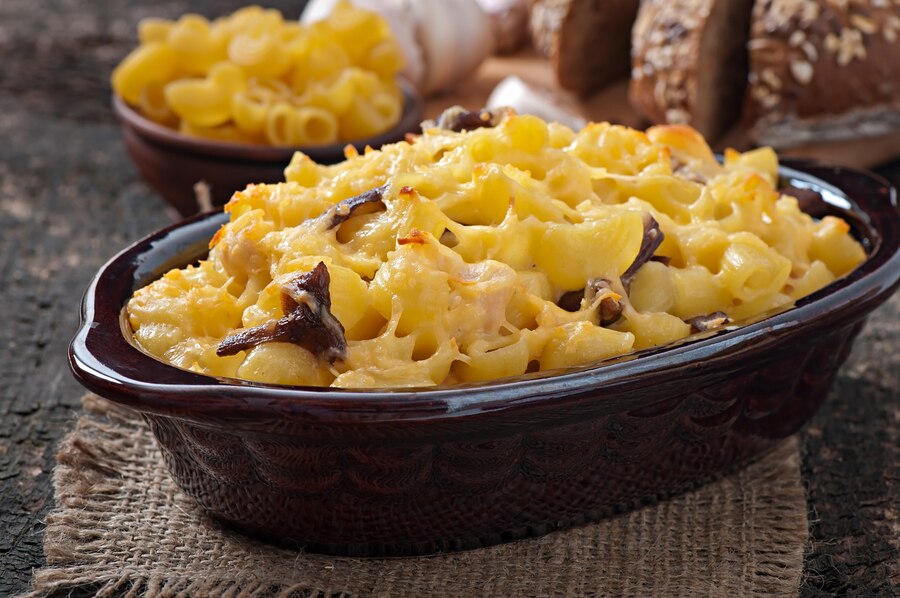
point(476, 255)
point(254, 77)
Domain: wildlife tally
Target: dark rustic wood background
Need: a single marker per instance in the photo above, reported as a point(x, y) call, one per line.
point(70, 198)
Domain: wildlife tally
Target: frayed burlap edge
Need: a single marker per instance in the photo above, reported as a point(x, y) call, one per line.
point(121, 527)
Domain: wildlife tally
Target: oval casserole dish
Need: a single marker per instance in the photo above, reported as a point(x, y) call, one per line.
point(389, 473)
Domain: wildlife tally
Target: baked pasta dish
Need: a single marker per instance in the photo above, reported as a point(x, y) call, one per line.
point(488, 246)
point(252, 77)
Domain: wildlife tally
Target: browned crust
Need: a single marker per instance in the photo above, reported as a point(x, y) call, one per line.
point(799, 49)
point(588, 40)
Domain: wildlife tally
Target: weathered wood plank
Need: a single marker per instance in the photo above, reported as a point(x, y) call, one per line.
point(69, 199)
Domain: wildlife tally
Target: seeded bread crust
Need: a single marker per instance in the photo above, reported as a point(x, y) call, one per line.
point(800, 49)
point(689, 62)
point(588, 41)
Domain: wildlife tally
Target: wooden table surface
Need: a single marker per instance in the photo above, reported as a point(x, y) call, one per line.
point(70, 198)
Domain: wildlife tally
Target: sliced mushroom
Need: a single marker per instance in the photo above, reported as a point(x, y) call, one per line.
point(571, 301)
point(716, 319)
point(689, 172)
point(448, 238)
point(610, 308)
point(364, 203)
point(307, 321)
point(652, 239)
point(457, 118)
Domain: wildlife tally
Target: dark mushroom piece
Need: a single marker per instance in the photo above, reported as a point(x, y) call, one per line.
point(716, 319)
point(307, 321)
point(651, 241)
point(689, 172)
point(458, 119)
point(571, 301)
point(364, 203)
point(610, 308)
point(448, 238)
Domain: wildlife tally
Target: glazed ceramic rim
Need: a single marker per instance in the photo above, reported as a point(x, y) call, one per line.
point(412, 115)
point(106, 362)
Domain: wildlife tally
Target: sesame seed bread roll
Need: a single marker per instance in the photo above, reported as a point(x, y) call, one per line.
point(588, 41)
point(689, 62)
point(823, 70)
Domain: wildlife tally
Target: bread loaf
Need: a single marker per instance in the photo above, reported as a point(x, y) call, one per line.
point(689, 62)
point(823, 70)
point(509, 22)
point(587, 40)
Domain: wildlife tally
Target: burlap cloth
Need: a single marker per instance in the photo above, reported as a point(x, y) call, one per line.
point(120, 526)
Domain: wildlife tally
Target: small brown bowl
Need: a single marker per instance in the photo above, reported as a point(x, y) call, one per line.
point(381, 472)
point(172, 163)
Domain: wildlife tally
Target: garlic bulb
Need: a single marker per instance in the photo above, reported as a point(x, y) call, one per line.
point(456, 37)
point(444, 40)
point(515, 93)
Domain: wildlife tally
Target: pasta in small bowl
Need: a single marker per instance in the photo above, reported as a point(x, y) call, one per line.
point(227, 102)
point(495, 329)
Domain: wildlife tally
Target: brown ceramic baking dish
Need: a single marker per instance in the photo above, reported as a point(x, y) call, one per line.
point(385, 472)
point(172, 163)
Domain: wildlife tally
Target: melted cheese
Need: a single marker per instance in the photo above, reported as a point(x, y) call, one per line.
point(457, 279)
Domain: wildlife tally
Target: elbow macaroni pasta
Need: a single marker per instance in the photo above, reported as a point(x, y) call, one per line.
point(252, 77)
point(460, 277)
